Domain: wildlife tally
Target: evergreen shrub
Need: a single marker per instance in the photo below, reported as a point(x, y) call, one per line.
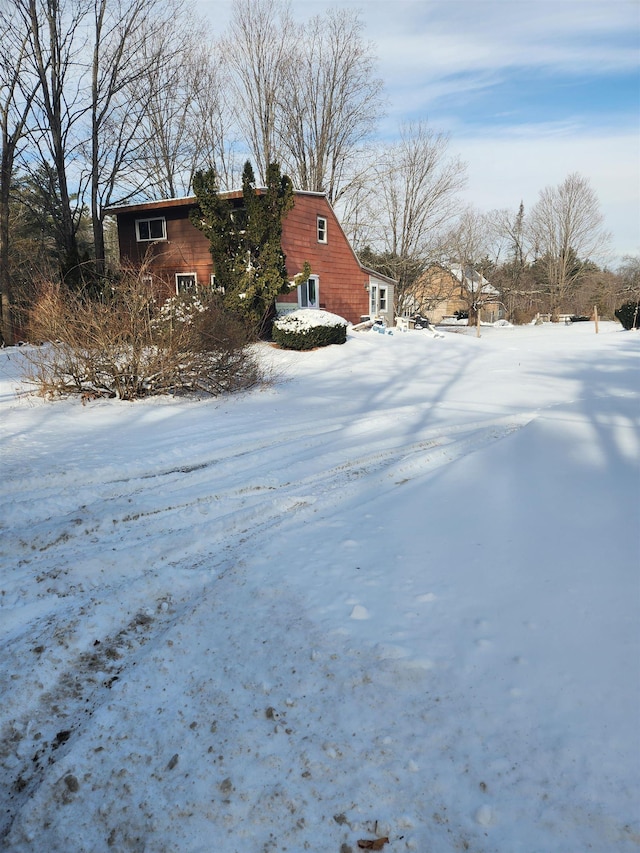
point(307, 329)
point(629, 315)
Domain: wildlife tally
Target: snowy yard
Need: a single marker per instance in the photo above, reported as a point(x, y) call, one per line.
point(393, 593)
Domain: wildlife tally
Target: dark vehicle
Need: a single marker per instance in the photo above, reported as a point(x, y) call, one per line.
point(421, 322)
point(575, 318)
point(461, 315)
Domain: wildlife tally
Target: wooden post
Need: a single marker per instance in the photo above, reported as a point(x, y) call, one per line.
point(478, 323)
point(595, 315)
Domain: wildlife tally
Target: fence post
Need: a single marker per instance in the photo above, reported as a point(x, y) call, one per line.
point(595, 314)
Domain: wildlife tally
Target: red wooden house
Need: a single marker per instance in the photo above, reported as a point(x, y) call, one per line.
point(177, 255)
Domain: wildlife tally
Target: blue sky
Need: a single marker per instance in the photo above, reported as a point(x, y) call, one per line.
point(528, 90)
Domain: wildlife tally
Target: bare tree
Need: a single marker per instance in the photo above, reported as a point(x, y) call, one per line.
point(121, 33)
point(417, 185)
point(216, 146)
point(566, 229)
point(17, 91)
point(330, 103)
point(629, 274)
point(620, 287)
point(57, 41)
point(513, 276)
point(257, 51)
point(167, 143)
point(185, 120)
point(473, 254)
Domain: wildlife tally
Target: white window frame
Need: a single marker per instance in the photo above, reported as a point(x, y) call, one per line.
point(192, 275)
point(150, 239)
point(303, 292)
point(378, 299)
point(322, 229)
point(216, 288)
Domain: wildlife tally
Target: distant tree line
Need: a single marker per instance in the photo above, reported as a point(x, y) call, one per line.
point(105, 101)
point(545, 260)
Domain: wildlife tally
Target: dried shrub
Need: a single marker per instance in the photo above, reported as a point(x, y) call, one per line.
point(128, 345)
point(522, 316)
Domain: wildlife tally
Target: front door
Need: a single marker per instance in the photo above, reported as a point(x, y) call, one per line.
point(309, 293)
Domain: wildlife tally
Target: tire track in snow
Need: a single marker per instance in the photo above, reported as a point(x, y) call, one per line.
point(282, 456)
point(31, 743)
point(205, 527)
point(199, 519)
point(82, 679)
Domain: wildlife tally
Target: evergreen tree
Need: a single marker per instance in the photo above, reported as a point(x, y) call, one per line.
point(214, 216)
point(246, 243)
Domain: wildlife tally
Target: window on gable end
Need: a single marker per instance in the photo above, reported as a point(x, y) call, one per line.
point(321, 222)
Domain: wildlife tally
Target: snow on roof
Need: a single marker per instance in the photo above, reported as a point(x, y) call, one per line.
point(472, 279)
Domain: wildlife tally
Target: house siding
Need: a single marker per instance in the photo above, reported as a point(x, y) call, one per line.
point(341, 278)
point(186, 249)
point(439, 282)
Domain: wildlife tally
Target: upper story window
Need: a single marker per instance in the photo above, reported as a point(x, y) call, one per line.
point(322, 229)
point(151, 229)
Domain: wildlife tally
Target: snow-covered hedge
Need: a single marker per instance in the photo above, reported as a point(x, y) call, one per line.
point(308, 328)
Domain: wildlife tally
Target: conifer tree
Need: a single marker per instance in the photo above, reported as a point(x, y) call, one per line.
point(246, 243)
point(213, 215)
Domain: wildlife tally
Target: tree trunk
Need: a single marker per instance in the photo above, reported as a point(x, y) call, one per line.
point(5, 276)
point(52, 57)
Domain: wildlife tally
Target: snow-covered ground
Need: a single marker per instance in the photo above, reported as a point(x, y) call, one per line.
point(392, 593)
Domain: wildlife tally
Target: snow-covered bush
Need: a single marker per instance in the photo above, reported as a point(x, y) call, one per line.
point(308, 328)
point(178, 309)
point(125, 346)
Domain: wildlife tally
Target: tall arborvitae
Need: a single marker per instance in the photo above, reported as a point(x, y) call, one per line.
point(213, 216)
point(246, 243)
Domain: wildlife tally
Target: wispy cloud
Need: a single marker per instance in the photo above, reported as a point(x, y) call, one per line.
point(467, 35)
point(529, 91)
point(515, 166)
